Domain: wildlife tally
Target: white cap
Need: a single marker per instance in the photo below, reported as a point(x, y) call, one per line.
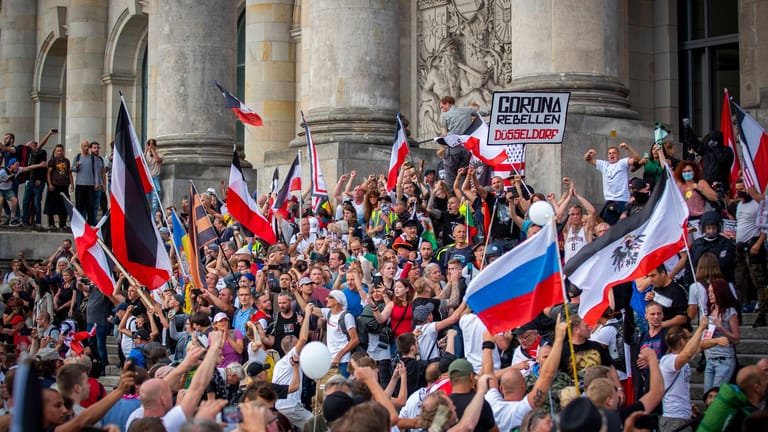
point(340, 297)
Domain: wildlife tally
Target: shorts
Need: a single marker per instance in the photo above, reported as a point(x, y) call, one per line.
point(7, 194)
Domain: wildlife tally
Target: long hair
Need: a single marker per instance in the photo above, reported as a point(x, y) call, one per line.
point(408, 295)
point(708, 268)
point(368, 208)
point(724, 298)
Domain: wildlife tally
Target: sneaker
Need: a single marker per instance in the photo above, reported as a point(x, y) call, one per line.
point(14, 223)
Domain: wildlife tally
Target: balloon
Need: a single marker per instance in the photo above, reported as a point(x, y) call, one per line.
point(315, 360)
point(541, 212)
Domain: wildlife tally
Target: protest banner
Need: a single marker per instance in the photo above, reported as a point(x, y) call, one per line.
point(528, 118)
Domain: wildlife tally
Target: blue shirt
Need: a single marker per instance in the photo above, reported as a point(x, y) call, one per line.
point(241, 318)
point(353, 302)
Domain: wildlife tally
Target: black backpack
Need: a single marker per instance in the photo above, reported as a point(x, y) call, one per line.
point(362, 333)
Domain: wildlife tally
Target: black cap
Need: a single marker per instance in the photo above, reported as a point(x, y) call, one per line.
point(637, 183)
point(256, 368)
point(142, 334)
point(524, 328)
point(336, 405)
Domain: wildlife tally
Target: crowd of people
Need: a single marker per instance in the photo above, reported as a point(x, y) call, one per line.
point(379, 277)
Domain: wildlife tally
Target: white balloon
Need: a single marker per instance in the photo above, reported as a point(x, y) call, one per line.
point(315, 360)
point(541, 212)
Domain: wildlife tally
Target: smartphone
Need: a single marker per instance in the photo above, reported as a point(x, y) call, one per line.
point(377, 280)
point(232, 415)
point(55, 130)
point(197, 291)
point(647, 422)
point(130, 366)
point(25, 332)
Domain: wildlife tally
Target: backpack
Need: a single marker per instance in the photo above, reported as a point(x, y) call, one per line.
point(620, 361)
point(727, 404)
point(362, 334)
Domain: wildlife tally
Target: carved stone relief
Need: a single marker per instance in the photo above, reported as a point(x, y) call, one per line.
point(464, 50)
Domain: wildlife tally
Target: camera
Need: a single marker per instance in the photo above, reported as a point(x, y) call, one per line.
point(377, 280)
point(272, 283)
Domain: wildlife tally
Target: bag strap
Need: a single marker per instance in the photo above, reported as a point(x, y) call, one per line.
point(402, 317)
point(677, 375)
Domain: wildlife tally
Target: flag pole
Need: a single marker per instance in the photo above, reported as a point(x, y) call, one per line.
point(301, 195)
point(488, 234)
point(567, 311)
point(525, 185)
point(120, 267)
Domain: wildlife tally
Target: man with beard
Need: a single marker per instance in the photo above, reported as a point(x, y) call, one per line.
point(750, 270)
point(286, 322)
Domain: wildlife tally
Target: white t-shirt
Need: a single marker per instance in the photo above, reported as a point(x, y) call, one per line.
point(472, 332)
point(697, 295)
point(615, 179)
point(375, 351)
point(412, 407)
point(426, 341)
point(746, 221)
point(336, 339)
point(508, 414)
point(172, 420)
point(126, 342)
point(283, 374)
point(677, 400)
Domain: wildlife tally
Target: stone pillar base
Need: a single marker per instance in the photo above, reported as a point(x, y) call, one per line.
point(358, 125)
point(336, 158)
point(174, 180)
point(591, 94)
point(547, 164)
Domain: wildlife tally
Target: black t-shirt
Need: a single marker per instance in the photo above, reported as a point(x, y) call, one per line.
point(415, 371)
point(588, 354)
point(462, 400)
point(283, 327)
point(501, 228)
point(673, 300)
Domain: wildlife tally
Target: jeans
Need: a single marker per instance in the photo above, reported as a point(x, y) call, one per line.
point(101, 341)
point(156, 205)
point(96, 205)
point(84, 195)
point(718, 371)
point(7, 205)
point(35, 193)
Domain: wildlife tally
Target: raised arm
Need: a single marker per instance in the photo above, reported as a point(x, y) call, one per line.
point(538, 393)
point(589, 157)
point(692, 347)
point(203, 375)
point(633, 156)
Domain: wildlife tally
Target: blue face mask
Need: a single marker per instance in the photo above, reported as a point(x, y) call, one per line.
point(687, 176)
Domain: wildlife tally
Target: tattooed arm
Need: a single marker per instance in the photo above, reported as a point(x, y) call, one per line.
point(538, 393)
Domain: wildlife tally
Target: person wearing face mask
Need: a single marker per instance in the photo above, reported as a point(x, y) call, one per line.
point(640, 191)
point(695, 190)
point(716, 157)
point(713, 241)
point(750, 270)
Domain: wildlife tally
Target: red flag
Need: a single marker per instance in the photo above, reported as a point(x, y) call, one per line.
point(399, 153)
point(241, 110)
point(726, 127)
point(135, 239)
point(92, 257)
point(477, 143)
point(242, 207)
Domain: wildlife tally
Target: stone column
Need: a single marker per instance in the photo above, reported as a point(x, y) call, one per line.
point(17, 63)
point(352, 58)
point(86, 42)
point(270, 75)
point(753, 63)
point(580, 48)
point(192, 43)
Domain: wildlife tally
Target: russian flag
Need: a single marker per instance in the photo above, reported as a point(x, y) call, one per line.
point(515, 288)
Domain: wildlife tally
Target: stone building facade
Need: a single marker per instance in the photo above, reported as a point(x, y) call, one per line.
point(351, 65)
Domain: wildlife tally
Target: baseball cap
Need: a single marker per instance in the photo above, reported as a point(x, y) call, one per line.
point(211, 191)
point(305, 281)
point(220, 316)
point(461, 367)
point(336, 405)
point(48, 354)
point(523, 328)
point(12, 161)
point(243, 251)
point(340, 297)
point(421, 312)
point(255, 368)
point(121, 306)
